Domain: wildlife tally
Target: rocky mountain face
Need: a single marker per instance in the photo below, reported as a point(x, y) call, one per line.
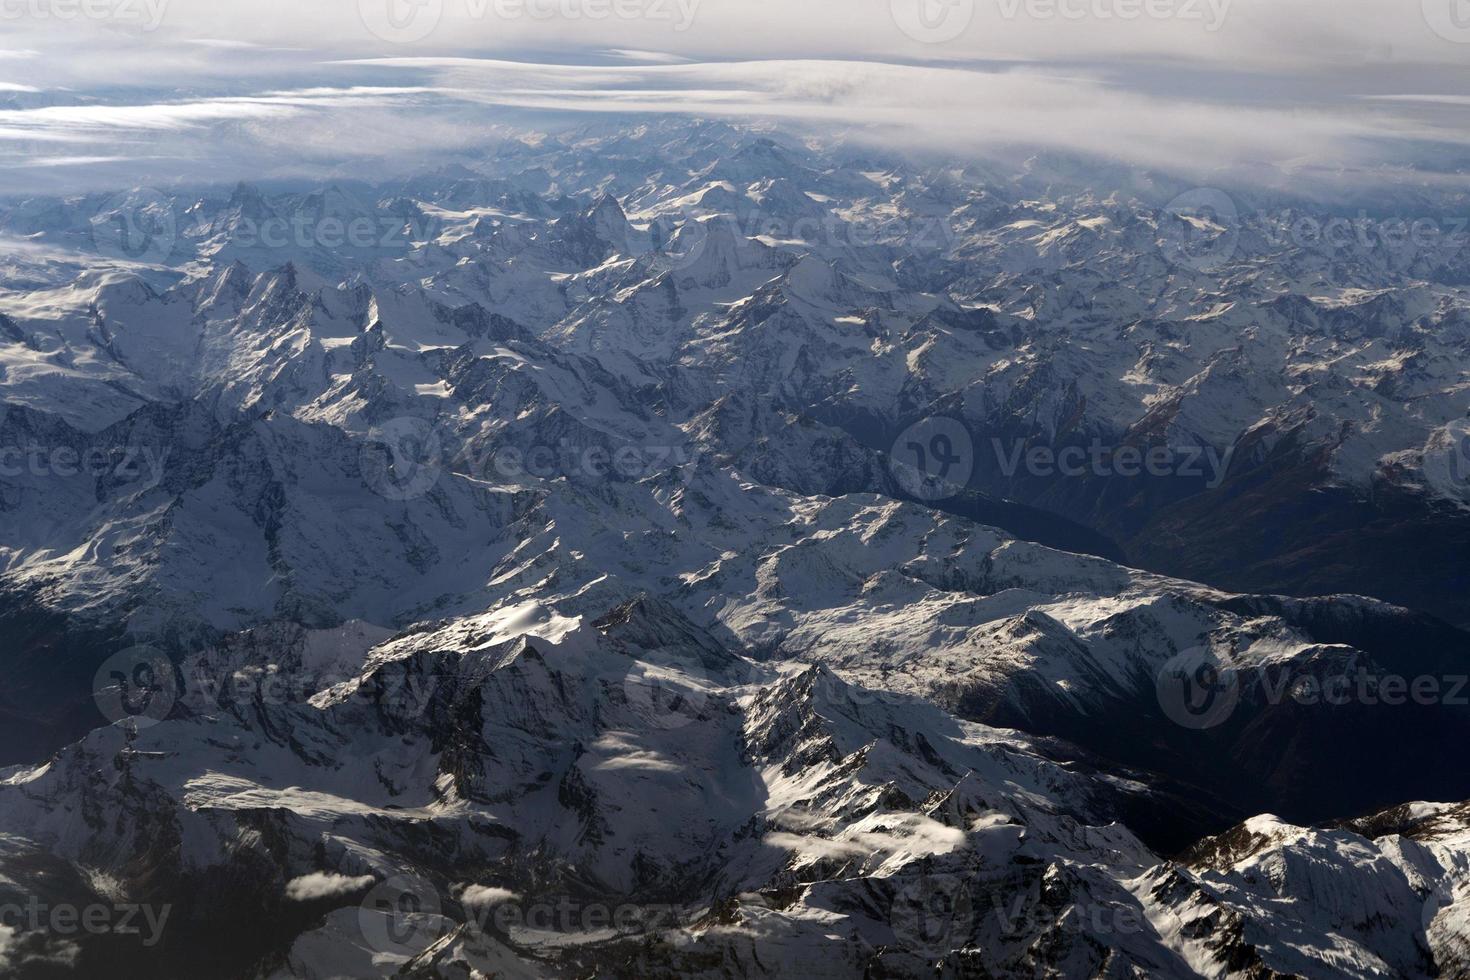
point(527, 794)
point(766, 561)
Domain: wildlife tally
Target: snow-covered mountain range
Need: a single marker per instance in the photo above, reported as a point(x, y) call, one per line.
point(686, 550)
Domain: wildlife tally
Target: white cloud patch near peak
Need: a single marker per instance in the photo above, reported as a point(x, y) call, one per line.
point(325, 884)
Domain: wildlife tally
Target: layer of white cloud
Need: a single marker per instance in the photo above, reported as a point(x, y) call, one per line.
point(1277, 35)
point(959, 109)
point(1254, 89)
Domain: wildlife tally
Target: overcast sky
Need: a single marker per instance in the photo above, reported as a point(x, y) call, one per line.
point(104, 93)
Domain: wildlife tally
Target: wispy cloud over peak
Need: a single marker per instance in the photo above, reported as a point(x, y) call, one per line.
point(1242, 88)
